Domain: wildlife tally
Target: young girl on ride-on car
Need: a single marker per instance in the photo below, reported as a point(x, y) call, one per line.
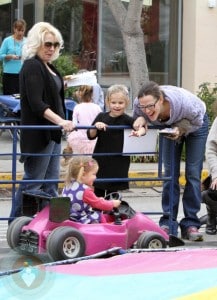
point(86, 207)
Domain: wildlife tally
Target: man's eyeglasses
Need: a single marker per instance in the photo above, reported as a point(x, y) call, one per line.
point(149, 107)
point(49, 45)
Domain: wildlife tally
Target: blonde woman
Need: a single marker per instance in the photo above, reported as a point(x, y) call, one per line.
point(42, 103)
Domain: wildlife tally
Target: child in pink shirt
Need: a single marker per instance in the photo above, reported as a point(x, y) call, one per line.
point(83, 115)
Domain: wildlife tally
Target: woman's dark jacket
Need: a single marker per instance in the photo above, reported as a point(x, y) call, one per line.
point(38, 92)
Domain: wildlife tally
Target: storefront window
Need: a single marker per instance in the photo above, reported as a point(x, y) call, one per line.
point(92, 36)
point(5, 14)
point(113, 58)
point(77, 21)
point(160, 33)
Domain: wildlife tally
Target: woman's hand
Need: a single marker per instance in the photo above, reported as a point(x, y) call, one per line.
point(213, 185)
point(67, 125)
point(139, 123)
point(12, 57)
point(100, 126)
point(16, 57)
point(138, 133)
point(177, 133)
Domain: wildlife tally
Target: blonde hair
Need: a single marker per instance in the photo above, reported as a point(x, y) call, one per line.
point(35, 40)
point(77, 166)
point(117, 88)
point(85, 93)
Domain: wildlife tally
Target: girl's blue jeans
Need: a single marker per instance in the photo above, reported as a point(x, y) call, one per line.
point(191, 200)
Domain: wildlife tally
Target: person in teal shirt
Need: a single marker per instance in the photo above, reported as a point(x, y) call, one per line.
point(10, 54)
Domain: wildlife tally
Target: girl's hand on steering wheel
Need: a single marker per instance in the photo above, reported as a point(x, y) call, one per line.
point(116, 203)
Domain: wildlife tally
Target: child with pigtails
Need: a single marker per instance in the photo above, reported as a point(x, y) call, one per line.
point(86, 207)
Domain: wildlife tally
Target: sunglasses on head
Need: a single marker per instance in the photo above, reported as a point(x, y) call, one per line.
point(50, 45)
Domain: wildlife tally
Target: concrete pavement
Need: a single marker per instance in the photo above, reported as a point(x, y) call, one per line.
point(140, 199)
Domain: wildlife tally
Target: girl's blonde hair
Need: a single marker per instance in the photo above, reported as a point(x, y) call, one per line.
point(77, 166)
point(117, 88)
point(85, 93)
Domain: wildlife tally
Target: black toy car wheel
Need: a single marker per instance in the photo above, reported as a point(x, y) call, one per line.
point(14, 230)
point(151, 240)
point(65, 243)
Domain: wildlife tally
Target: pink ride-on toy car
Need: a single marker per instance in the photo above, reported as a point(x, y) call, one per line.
point(51, 230)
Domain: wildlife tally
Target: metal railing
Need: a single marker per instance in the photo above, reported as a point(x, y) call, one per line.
point(15, 154)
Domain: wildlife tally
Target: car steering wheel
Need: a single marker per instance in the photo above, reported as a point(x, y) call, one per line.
point(114, 196)
point(115, 212)
point(125, 211)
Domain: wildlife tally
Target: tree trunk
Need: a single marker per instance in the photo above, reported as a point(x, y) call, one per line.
point(128, 21)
